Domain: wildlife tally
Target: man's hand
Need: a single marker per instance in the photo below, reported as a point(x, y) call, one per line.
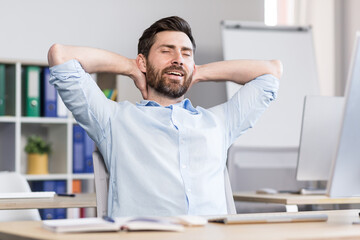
point(139, 78)
point(95, 60)
point(196, 76)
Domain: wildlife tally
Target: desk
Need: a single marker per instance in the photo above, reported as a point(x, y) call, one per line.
point(291, 201)
point(339, 226)
point(80, 200)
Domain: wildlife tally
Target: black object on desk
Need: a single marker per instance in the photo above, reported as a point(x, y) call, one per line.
point(66, 195)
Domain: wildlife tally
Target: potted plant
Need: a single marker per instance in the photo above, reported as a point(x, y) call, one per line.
point(38, 151)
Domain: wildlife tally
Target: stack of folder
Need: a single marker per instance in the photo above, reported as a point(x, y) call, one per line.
point(40, 97)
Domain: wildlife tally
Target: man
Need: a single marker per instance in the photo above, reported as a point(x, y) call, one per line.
point(164, 156)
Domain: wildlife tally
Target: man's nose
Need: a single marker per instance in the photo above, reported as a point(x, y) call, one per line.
point(178, 59)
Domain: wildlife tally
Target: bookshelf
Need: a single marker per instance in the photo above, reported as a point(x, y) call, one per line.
point(15, 127)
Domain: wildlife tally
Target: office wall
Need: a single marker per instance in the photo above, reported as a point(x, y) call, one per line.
point(28, 28)
point(350, 24)
point(334, 25)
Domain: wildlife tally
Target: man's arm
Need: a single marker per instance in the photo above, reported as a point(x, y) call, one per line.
point(97, 60)
point(238, 71)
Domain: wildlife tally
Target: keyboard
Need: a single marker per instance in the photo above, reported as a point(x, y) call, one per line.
point(268, 218)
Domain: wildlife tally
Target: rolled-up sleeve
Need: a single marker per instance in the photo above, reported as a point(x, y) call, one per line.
point(83, 98)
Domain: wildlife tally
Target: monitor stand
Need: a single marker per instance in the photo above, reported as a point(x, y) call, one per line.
point(315, 188)
point(313, 191)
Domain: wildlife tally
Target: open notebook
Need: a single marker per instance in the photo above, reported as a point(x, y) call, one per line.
point(106, 224)
point(269, 218)
point(27, 195)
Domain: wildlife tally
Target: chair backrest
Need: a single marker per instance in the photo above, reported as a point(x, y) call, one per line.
point(14, 182)
point(102, 187)
point(229, 194)
point(101, 184)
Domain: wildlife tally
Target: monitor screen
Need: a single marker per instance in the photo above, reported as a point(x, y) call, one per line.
point(345, 173)
point(322, 116)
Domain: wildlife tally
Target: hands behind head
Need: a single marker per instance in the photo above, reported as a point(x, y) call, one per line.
point(139, 79)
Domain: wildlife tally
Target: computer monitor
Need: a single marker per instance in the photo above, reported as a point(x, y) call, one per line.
point(345, 173)
point(322, 116)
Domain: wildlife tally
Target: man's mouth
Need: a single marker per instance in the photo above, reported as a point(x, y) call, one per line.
point(175, 73)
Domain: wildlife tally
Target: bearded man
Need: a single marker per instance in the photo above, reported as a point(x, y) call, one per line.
point(164, 156)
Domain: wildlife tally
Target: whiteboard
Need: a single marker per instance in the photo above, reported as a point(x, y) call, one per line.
point(280, 125)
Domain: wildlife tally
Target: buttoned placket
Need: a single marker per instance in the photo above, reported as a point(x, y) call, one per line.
point(183, 153)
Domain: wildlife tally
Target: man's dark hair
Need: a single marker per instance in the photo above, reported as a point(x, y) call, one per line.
point(172, 23)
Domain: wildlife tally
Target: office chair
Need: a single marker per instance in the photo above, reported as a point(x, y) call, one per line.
point(102, 186)
point(14, 182)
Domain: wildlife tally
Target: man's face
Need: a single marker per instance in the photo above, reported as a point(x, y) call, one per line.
point(170, 64)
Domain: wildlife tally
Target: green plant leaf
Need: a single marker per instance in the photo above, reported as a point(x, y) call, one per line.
point(35, 144)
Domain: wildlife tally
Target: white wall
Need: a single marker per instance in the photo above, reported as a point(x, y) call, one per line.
point(334, 25)
point(28, 28)
point(351, 24)
point(320, 15)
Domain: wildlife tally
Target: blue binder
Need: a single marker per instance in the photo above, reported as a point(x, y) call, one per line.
point(60, 187)
point(78, 149)
point(49, 101)
point(38, 186)
point(89, 149)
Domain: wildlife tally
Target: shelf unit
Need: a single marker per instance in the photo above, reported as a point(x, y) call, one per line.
point(15, 128)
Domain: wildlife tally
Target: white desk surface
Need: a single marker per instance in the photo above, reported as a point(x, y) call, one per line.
point(292, 199)
point(338, 226)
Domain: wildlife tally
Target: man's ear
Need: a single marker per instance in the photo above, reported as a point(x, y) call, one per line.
point(141, 62)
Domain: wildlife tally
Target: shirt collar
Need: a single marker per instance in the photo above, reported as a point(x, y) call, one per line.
point(186, 104)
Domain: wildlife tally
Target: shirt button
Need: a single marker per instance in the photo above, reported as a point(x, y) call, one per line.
point(183, 166)
point(188, 190)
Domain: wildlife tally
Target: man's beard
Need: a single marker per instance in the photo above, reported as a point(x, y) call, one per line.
point(167, 87)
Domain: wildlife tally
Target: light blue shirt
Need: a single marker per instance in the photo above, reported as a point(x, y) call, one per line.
point(162, 160)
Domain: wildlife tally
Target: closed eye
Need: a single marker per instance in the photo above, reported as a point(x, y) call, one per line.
point(187, 53)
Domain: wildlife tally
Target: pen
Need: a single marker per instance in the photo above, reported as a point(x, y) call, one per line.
point(109, 219)
point(289, 191)
point(66, 194)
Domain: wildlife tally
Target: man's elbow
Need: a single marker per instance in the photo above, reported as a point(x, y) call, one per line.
point(276, 68)
point(55, 55)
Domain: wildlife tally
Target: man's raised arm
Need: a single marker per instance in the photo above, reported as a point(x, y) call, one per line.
point(238, 71)
point(97, 60)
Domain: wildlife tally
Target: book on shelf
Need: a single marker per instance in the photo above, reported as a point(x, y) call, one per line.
point(83, 147)
point(31, 94)
point(2, 89)
point(48, 95)
point(78, 149)
point(76, 212)
point(110, 94)
point(176, 223)
point(10, 79)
